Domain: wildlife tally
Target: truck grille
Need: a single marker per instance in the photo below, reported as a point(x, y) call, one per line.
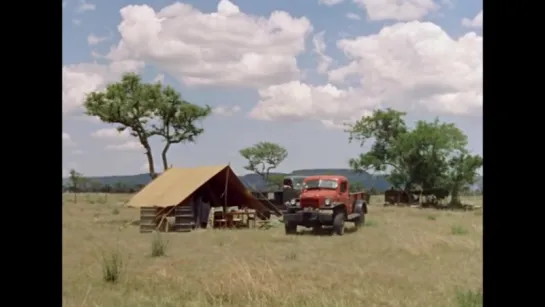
point(309, 203)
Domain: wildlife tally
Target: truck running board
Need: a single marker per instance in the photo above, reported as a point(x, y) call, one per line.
point(351, 217)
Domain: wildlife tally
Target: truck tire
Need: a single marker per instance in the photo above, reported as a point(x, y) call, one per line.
point(359, 207)
point(338, 223)
point(360, 220)
point(290, 228)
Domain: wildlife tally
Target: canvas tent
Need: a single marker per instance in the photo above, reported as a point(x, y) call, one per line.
point(176, 185)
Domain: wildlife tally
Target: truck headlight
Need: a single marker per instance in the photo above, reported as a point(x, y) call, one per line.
point(327, 202)
point(293, 202)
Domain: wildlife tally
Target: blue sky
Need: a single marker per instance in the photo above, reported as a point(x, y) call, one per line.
point(285, 71)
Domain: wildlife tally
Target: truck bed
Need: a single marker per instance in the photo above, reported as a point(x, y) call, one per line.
point(359, 195)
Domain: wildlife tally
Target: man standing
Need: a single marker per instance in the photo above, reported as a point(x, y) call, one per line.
point(204, 210)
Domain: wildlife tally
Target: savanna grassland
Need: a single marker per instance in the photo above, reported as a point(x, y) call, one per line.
point(402, 257)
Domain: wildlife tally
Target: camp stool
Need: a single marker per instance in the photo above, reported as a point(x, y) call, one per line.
point(219, 220)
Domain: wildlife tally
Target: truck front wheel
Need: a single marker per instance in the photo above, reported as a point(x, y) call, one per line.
point(291, 228)
point(338, 223)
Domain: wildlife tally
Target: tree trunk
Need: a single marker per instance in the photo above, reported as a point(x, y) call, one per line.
point(151, 165)
point(164, 156)
point(455, 195)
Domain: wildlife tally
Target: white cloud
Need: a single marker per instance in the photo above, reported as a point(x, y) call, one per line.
point(159, 78)
point(295, 99)
point(85, 6)
point(77, 152)
point(67, 139)
point(90, 119)
point(352, 16)
point(111, 133)
point(324, 61)
point(95, 40)
point(330, 2)
point(226, 111)
point(127, 146)
point(76, 22)
point(80, 79)
point(227, 47)
point(409, 66)
point(402, 10)
point(145, 167)
point(476, 22)
point(63, 4)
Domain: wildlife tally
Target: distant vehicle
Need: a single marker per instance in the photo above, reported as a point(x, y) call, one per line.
point(291, 188)
point(423, 197)
point(325, 200)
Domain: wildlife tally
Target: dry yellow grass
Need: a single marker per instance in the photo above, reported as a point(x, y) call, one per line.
point(404, 257)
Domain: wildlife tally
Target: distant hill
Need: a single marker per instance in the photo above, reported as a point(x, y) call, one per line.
point(379, 182)
point(253, 180)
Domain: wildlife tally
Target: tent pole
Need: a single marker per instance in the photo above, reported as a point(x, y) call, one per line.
point(225, 191)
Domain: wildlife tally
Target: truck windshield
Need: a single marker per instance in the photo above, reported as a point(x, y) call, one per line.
point(297, 183)
point(329, 184)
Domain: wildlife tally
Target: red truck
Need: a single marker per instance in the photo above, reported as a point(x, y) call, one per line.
point(326, 201)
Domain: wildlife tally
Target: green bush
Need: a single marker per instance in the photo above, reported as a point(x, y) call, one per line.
point(458, 230)
point(158, 245)
point(469, 298)
point(112, 266)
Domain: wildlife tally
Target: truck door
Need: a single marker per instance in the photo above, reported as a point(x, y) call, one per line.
point(344, 197)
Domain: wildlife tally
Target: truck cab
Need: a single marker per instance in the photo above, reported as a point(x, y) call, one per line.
point(325, 200)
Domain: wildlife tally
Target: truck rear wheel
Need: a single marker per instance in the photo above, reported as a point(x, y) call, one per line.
point(291, 228)
point(358, 222)
point(338, 223)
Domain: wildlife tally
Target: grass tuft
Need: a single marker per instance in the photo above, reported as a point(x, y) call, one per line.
point(158, 245)
point(112, 265)
point(458, 230)
point(370, 223)
point(469, 298)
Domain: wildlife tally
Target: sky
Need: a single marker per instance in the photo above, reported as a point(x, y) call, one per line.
point(285, 71)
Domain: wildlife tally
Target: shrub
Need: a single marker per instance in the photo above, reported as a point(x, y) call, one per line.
point(458, 230)
point(469, 298)
point(158, 245)
point(370, 223)
point(112, 265)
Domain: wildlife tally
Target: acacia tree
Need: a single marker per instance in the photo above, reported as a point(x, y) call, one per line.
point(147, 110)
point(128, 104)
point(176, 120)
point(424, 156)
point(275, 180)
point(75, 182)
point(263, 157)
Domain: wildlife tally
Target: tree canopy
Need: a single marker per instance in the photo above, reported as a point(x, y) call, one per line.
point(177, 120)
point(431, 155)
point(147, 110)
point(263, 157)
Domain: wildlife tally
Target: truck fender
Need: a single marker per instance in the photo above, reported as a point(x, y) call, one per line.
point(336, 206)
point(360, 206)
